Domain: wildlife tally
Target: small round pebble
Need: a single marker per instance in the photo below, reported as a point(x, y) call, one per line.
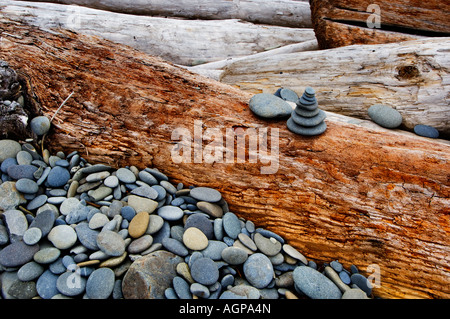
point(181, 288)
point(16, 254)
point(46, 285)
point(170, 213)
point(195, 239)
point(125, 175)
point(426, 131)
point(206, 194)
point(111, 243)
point(30, 271)
point(47, 255)
point(175, 247)
point(234, 255)
point(231, 225)
point(267, 105)
point(40, 125)
point(58, 177)
point(62, 236)
point(32, 236)
point(385, 116)
point(71, 284)
point(27, 186)
point(204, 271)
point(315, 284)
point(9, 148)
point(138, 225)
point(100, 283)
point(258, 270)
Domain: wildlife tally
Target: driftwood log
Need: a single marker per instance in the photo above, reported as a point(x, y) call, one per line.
point(362, 196)
point(344, 22)
point(287, 13)
point(412, 77)
point(206, 40)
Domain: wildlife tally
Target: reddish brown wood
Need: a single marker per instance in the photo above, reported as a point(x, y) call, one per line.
point(344, 22)
point(362, 196)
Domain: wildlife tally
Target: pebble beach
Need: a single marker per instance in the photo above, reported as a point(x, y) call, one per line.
point(72, 229)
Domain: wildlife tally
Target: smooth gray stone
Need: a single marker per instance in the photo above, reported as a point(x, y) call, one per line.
point(125, 175)
point(40, 125)
point(17, 254)
point(147, 178)
point(288, 95)
point(24, 158)
point(30, 271)
point(181, 288)
point(315, 284)
point(426, 131)
point(44, 221)
point(16, 223)
point(175, 246)
point(100, 283)
point(170, 213)
point(307, 131)
point(9, 148)
point(37, 202)
point(204, 271)
point(258, 270)
point(22, 171)
point(27, 186)
point(267, 105)
point(234, 255)
point(32, 236)
point(305, 113)
point(385, 116)
point(46, 285)
point(231, 225)
point(309, 121)
point(71, 284)
point(111, 243)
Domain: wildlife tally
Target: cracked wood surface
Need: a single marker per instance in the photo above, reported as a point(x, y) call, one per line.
point(344, 22)
point(360, 195)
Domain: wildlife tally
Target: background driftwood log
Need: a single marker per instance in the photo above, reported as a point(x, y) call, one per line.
point(287, 13)
point(412, 77)
point(363, 196)
point(344, 22)
point(186, 42)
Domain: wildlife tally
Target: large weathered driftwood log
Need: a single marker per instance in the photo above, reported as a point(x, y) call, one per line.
point(363, 196)
point(286, 13)
point(413, 77)
point(186, 42)
point(345, 22)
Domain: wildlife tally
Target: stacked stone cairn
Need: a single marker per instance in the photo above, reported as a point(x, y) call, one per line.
point(307, 119)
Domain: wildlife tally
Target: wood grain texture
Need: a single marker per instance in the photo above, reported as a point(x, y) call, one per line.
point(413, 77)
point(360, 195)
point(185, 42)
point(345, 22)
point(286, 13)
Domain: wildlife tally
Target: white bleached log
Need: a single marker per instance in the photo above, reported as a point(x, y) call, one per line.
point(412, 77)
point(287, 13)
point(186, 42)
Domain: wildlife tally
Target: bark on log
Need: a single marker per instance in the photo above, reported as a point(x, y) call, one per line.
point(345, 22)
point(286, 13)
point(206, 41)
point(412, 76)
point(363, 196)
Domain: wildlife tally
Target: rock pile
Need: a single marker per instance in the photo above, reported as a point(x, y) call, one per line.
point(307, 118)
